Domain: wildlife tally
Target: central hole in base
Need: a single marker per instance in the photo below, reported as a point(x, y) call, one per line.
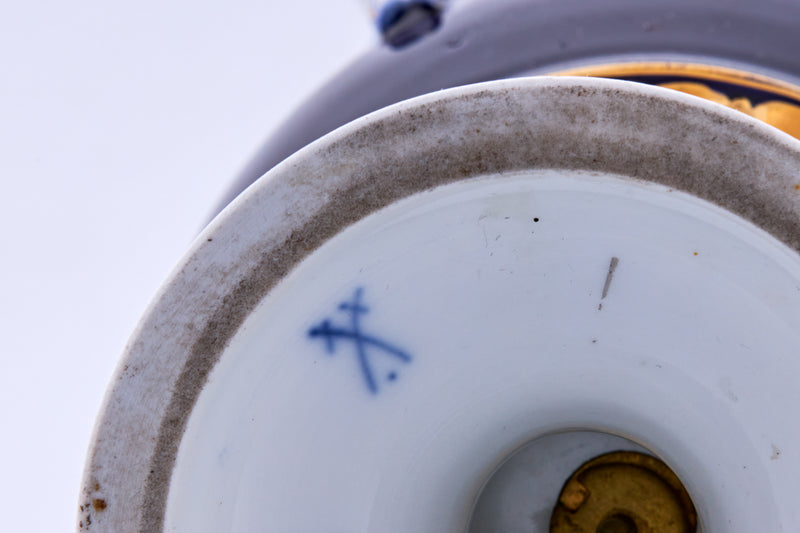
point(618, 523)
point(587, 482)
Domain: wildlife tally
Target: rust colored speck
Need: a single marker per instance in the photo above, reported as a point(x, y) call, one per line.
point(98, 504)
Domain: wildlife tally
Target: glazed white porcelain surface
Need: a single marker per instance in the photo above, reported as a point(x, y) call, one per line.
point(487, 299)
point(365, 335)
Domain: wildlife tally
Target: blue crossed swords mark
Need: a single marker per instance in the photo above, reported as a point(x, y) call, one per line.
point(364, 344)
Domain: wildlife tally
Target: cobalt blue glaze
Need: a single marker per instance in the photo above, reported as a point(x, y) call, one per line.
point(401, 22)
point(364, 344)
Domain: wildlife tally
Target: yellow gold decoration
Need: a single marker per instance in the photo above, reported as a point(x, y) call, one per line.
point(781, 114)
point(624, 492)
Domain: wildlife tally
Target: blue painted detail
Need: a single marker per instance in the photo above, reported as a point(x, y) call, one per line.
point(362, 342)
point(401, 22)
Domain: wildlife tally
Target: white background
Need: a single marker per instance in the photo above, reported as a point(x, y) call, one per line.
point(121, 124)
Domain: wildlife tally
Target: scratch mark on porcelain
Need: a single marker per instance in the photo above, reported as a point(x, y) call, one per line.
point(361, 341)
point(727, 389)
point(609, 277)
point(776, 453)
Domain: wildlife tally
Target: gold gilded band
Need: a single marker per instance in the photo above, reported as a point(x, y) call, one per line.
point(690, 78)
